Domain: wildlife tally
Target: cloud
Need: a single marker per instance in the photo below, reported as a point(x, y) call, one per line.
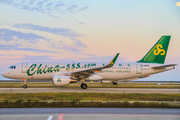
point(49, 4)
point(59, 31)
point(79, 22)
point(72, 7)
point(54, 16)
point(58, 6)
point(11, 57)
point(83, 8)
point(24, 57)
point(72, 48)
point(23, 1)
point(8, 34)
point(44, 6)
point(17, 40)
point(31, 1)
point(40, 3)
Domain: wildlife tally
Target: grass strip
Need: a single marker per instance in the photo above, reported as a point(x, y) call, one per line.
point(29, 104)
point(88, 97)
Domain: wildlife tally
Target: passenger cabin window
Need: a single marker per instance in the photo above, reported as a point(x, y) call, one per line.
point(12, 67)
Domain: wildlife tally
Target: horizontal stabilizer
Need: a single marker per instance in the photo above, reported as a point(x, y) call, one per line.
point(164, 66)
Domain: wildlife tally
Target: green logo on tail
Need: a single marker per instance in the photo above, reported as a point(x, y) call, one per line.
point(159, 50)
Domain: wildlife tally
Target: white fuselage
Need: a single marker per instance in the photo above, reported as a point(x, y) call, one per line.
point(46, 70)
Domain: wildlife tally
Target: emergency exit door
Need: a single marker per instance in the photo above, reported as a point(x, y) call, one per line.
point(24, 67)
point(138, 69)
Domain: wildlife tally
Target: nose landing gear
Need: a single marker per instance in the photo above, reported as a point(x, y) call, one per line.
point(25, 84)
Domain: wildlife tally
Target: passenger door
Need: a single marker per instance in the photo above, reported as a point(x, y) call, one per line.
point(24, 67)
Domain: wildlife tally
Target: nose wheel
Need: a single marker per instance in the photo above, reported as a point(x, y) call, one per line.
point(25, 83)
point(83, 86)
point(25, 86)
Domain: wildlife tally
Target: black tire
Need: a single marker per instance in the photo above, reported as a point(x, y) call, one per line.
point(114, 83)
point(25, 86)
point(83, 86)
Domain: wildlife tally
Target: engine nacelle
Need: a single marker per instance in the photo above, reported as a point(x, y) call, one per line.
point(60, 80)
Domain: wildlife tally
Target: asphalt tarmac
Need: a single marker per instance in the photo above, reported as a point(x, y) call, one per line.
point(94, 90)
point(89, 114)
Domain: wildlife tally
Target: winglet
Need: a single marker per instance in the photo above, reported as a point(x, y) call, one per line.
point(113, 61)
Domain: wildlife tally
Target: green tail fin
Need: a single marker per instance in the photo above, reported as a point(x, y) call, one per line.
point(158, 52)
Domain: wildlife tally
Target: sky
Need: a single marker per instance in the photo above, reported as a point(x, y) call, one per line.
point(88, 30)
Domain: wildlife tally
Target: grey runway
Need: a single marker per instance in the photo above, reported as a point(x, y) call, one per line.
point(154, 111)
point(95, 90)
point(88, 117)
point(88, 114)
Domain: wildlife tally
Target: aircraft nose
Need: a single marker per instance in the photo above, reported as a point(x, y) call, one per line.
point(4, 73)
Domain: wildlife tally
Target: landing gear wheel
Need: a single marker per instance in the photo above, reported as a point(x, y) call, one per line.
point(83, 86)
point(114, 83)
point(25, 86)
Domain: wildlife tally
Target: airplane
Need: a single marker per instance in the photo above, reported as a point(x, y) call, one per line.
point(64, 73)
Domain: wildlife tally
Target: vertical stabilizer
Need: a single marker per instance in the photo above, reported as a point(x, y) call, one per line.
point(158, 52)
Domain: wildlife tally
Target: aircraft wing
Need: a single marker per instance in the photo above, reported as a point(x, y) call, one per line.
point(163, 66)
point(93, 70)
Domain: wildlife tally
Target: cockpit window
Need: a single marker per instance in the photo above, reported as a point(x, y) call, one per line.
point(12, 67)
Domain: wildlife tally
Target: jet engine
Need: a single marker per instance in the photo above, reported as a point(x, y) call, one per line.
point(60, 80)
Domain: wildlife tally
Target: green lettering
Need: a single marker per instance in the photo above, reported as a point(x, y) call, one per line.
point(31, 68)
point(93, 64)
point(50, 69)
point(85, 65)
point(44, 70)
point(88, 65)
point(56, 68)
point(39, 70)
point(73, 66)
point(68, 67)
point(78, 66)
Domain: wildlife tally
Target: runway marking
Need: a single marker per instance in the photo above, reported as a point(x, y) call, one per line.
point(119, 114)
point(60, 117)
point(50, 118)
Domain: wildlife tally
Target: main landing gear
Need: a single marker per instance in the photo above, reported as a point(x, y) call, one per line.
point(83, 86)
point(114, 83)
point(25, 84)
